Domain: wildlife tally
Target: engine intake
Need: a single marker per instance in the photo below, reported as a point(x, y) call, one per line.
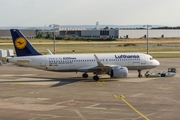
point(119, 72)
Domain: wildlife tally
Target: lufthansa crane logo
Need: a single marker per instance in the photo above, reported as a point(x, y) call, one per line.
point(20, 43)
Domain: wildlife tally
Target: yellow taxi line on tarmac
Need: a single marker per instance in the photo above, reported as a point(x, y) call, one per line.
point(123, 99)
point(100, 81)
point(16, 83)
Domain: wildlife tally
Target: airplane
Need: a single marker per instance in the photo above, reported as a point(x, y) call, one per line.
point(116, 65)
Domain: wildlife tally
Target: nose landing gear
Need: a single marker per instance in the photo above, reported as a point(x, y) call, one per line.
point(139, 74)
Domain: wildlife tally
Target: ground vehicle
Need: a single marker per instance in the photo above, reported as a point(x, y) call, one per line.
point(169, 73)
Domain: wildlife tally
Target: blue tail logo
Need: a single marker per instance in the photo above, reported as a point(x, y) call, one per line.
point(22, 46)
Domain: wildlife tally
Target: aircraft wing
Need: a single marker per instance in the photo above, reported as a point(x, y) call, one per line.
point(99, 68)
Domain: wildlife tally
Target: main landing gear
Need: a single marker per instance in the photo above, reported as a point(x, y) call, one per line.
point(95, 78)
point(85, 75)
point(139, 75)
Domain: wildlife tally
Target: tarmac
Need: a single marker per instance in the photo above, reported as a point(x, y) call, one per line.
point(32, 94)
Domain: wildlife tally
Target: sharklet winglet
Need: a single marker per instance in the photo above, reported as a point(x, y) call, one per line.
point(98, 61)
point(49, 52)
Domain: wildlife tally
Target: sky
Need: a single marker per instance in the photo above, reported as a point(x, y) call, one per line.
point(88, 12)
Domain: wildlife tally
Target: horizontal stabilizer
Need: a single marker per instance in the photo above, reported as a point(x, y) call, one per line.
point(23, 61)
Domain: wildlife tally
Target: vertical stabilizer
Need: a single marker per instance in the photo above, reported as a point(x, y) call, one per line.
point(22, 45)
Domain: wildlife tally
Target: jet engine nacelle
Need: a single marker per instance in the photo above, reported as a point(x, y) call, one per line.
point(119, 72)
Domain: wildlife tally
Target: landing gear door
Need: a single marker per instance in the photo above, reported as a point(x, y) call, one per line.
point(43, 62)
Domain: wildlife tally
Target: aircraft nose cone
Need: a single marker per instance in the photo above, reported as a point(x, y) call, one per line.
point(156, 63)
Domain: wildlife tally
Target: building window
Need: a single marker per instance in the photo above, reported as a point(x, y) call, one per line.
point(104, 32)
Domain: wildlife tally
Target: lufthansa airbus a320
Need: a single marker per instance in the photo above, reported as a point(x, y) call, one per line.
point(114, 64)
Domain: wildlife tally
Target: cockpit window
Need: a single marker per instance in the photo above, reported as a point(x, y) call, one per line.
point(151, 58)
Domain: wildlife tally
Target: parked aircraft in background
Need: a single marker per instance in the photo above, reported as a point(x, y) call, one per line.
point(114, 64)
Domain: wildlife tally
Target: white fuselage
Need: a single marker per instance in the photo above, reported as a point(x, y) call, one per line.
point(82, 62)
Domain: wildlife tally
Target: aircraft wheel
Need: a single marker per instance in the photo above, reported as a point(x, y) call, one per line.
point(163, 75)
point(85, 75)
point(140, 75)
point(96, 78)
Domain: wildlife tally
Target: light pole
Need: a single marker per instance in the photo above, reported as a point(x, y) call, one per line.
point(147, 36)
point(54, 28)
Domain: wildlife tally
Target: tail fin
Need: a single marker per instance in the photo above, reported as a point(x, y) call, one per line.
point(22, 45)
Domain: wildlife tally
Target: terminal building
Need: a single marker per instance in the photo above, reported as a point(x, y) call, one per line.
point(122, 33)
point(91, 33)
point(28, 33)
point(99, 33)
point(152, 33)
